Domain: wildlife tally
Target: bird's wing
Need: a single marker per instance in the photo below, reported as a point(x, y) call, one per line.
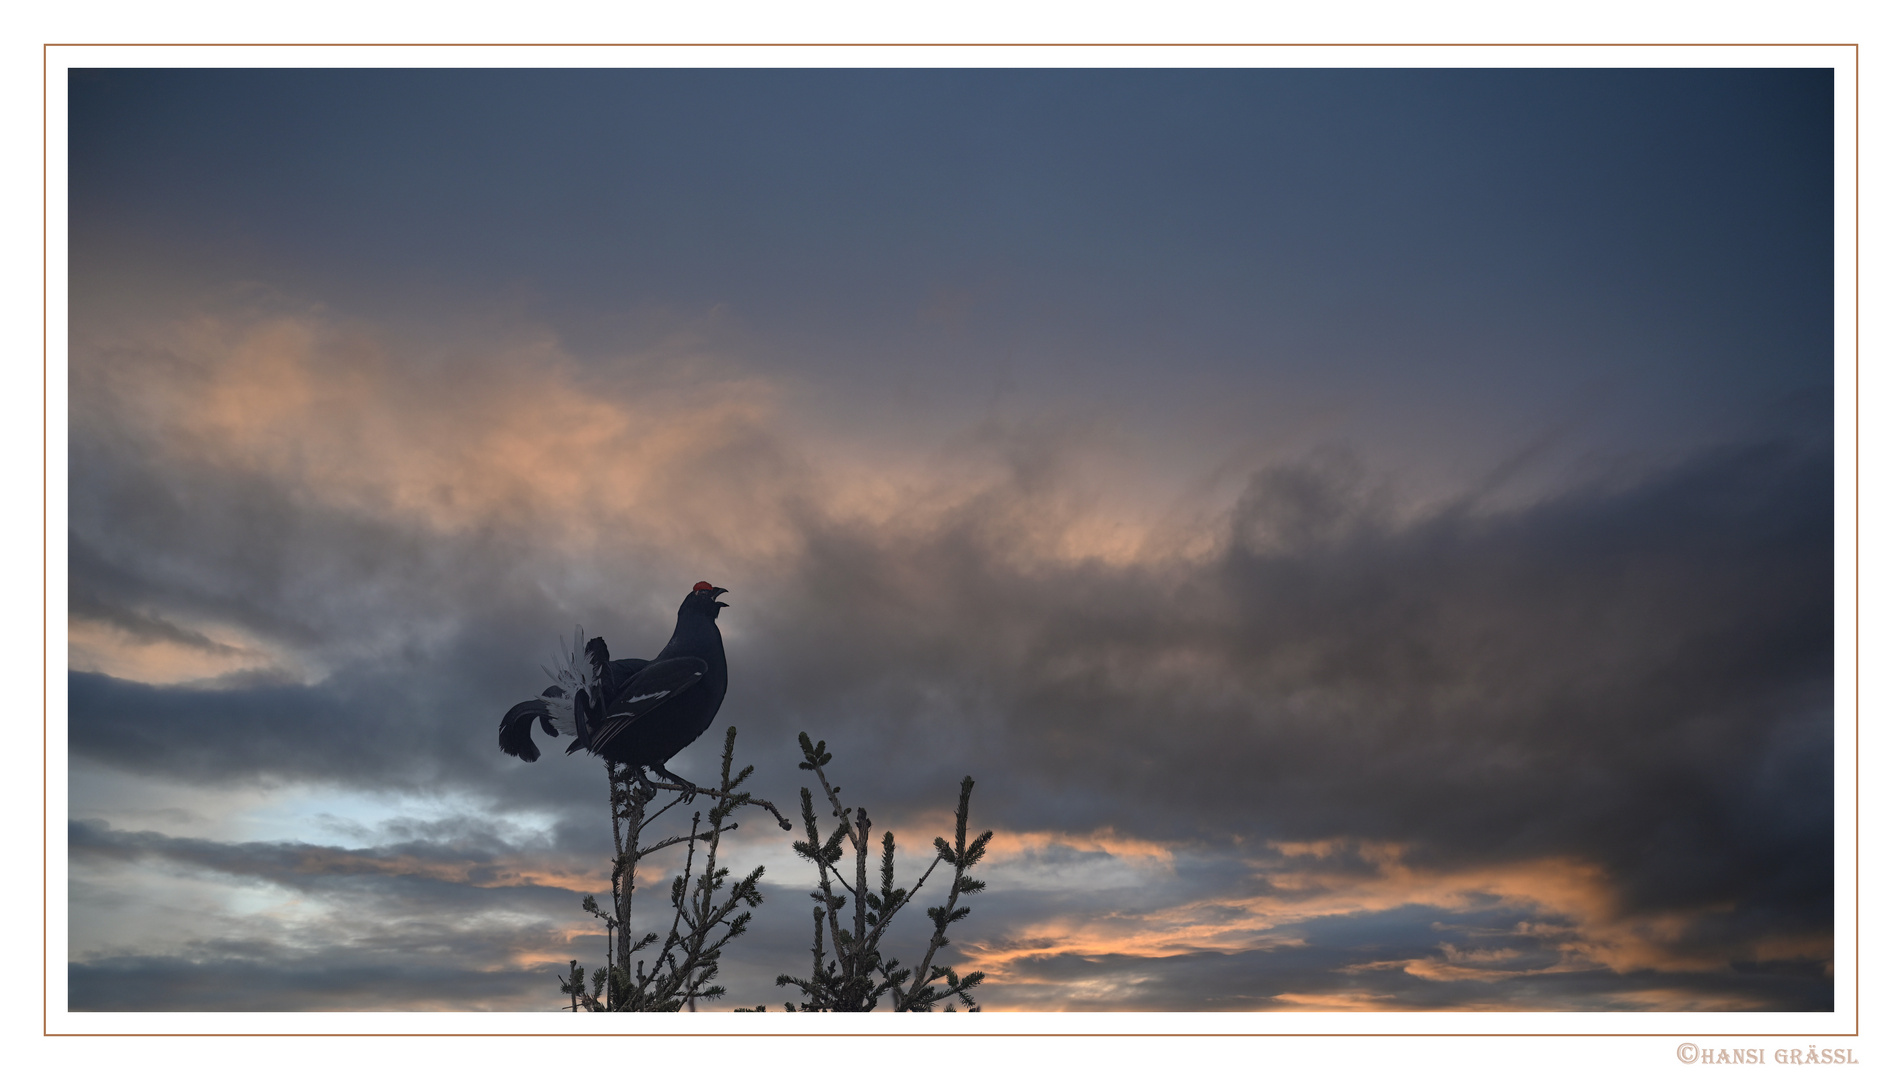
point(650, 687)
point(623, 670)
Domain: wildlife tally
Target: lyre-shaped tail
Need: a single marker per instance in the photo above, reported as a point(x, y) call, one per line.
point(516, 736)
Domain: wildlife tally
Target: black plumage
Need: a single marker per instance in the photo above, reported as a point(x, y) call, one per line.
point(636, 712)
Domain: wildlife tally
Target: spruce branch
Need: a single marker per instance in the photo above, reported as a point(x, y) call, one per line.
point(855, 977)
point(704, 920)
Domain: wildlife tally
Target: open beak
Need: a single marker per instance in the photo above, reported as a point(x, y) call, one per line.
point(716, 592)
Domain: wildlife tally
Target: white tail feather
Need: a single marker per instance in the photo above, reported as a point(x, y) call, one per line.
point(568, 675)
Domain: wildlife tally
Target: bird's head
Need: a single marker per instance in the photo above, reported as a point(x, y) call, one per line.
point(704, 600)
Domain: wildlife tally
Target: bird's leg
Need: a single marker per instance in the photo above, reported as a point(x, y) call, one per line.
point(691, 789)
point(648, 791)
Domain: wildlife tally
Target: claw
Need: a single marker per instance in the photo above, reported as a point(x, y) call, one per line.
point(690, 788)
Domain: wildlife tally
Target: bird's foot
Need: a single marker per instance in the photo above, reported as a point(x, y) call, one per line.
point(688, 789)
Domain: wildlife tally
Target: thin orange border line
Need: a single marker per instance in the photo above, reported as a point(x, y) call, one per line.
point(1856, 538)
point(1856, 522)
point(46, 688)
point(941, 1034)
point(949, 45)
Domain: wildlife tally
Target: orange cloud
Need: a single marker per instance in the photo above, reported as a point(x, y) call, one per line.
point(675, 449)
point(94, 645)
point(1017, 845)
point(513, 433)
point(1351, 1001)
point(1583, 923)
point(1675, 999)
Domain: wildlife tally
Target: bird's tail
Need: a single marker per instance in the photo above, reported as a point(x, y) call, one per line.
point(517, 734)
point(583, 708)
point(570, 665)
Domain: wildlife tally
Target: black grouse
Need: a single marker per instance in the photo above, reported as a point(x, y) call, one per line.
point(636, 712)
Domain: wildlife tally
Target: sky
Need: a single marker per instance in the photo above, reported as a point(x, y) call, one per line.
point(1367, 533)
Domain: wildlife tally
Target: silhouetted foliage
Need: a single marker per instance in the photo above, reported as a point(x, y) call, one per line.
point(849, 972)
point(704, 921)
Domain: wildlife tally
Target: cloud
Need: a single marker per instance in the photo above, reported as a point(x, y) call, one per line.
point(1604, 712)
point(448, 923)
point(444, 914)
point(1613, 703)
point(473, 861)
point(1321, 923)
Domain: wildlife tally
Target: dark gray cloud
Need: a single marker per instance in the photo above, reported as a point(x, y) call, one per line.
point(1635, 675)
point(1397, 540)
point(254, 976)
point(1639, 649)
point(457, 918)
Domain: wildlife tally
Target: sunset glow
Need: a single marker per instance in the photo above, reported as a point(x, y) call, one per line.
point(1368, 533)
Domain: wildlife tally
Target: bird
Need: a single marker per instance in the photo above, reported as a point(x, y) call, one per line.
point(633, 712)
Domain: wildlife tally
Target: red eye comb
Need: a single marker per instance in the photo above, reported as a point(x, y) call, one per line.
point(701, 586)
